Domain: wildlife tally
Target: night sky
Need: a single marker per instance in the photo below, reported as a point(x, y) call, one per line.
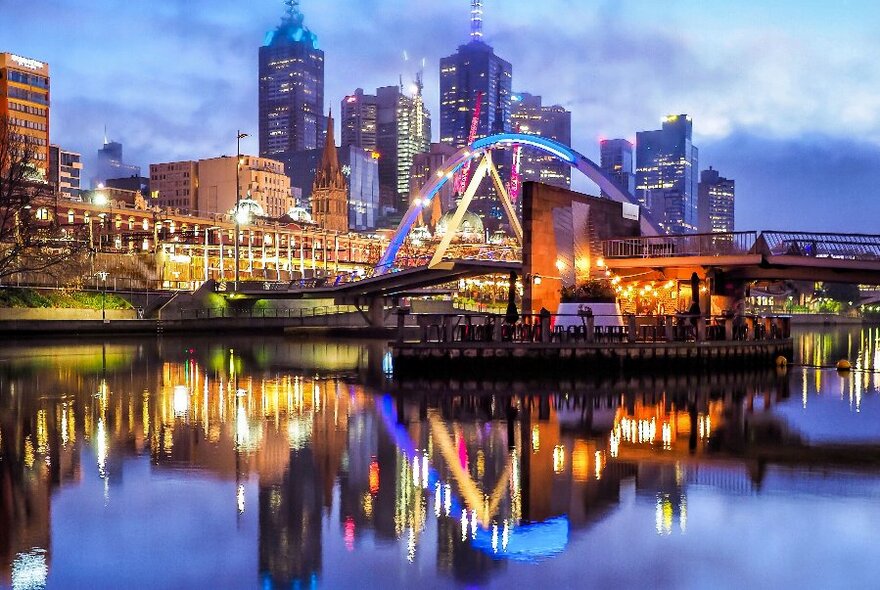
point(785, 96)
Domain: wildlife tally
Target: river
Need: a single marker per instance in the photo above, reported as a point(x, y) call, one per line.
point(269, 462)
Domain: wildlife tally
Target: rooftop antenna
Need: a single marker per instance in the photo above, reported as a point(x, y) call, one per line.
point(476, 20)
point(292, 13)
point(105, 134)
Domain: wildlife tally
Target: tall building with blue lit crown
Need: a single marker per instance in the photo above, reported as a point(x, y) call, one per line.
point(291, 99)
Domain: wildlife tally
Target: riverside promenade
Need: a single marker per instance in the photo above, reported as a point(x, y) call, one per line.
point(475, 342)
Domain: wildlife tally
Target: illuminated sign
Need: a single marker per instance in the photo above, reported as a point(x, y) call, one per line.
point(630, 211)
point(30, 64)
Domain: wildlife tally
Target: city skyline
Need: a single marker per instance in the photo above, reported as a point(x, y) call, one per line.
point(795, 128)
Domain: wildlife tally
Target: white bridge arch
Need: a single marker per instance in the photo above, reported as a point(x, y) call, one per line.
point(482, 149)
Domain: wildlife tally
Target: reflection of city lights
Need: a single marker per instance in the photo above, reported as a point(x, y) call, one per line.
point(374, 477)
point(667, 436)
point(558, 459)
point(464, 525)
point(65, 437)
point(299, 432)
point(599, 464)
point(473, 524)
point(536, 438)
point(425, 471)
point(614, 442)
point(367, 505)
point(438, 498)
point(494, 537)
point(181, 400)
point(411, 546)
point(447, 501)
point(29, 570)
point(663, 514)
point(42, 433)
point(239, 498)
point(415, 471)
point(505, 536)
point(101, 448)
point(349, 533)
point(580, 461)
point(683, 511)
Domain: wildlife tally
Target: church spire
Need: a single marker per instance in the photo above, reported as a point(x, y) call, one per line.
point(329, 172)
point(330, 191)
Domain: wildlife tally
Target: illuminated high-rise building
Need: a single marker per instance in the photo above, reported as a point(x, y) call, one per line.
point(291, 89)
point(24, 103)
point(403, 130)
point(666, 176)
point(110, 164)
point(358, 120)
point(616, 161)
point(529, 116)
point(473, 69)
point(716, 202)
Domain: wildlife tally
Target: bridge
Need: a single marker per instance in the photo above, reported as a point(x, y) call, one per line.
point(738, 257)
point(749, 256)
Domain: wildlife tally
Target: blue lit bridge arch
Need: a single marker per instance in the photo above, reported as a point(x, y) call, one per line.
point(480, 149)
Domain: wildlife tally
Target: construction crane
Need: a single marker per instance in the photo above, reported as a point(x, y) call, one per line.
point(462, 179)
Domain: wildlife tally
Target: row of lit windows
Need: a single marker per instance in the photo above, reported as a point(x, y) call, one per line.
point(28, 124)
point(30, 110)
point(29, 79)
point(22, 94)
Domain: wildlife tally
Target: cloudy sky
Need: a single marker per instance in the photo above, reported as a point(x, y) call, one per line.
point(785, 95)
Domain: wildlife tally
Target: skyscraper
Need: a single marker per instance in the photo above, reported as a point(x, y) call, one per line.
point(330, 192)
point(110, 164)
point(361, 170)
point(472, 69)
point(403, 130)
point(24, 103)
point(358, 120)
point(666, 177)
point(616, 160)
point(716, 202)
point(529, 116)
point(291, 71)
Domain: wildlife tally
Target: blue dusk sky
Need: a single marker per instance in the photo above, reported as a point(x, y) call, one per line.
point(785, 95)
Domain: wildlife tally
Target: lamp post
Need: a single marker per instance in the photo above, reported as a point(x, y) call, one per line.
point(240, 136)
point(103, 278)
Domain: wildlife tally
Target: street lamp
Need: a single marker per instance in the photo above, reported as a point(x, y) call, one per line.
point(102, 276)
point(240, 136)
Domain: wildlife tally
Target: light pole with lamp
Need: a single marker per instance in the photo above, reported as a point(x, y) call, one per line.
point(102, 276)
point(240, 136)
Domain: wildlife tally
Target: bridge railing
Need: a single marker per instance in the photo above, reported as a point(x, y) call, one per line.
point(596, 329)
point(270, 313)
point(823, 245)
point(714, 244)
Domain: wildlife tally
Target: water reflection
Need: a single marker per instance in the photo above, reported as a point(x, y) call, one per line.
point(280, 463)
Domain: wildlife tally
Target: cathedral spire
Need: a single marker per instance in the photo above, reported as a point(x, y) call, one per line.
point(330, 191)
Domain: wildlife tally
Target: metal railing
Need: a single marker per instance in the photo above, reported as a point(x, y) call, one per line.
point(269, 313)
point(585, 329)
point(823, 245)
point(92, 283)
point(715, 244)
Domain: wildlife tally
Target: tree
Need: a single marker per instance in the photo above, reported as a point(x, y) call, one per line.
point(29, 244)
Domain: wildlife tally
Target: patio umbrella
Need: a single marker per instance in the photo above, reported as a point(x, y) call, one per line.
point(512, 315)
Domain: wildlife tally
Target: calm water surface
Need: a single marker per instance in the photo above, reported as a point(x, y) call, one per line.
point(274, 463)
